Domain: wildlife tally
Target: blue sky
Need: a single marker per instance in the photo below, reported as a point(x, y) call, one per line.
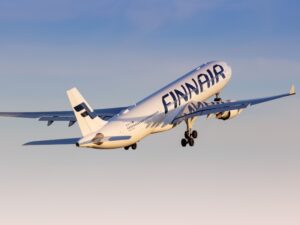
point(154, 23)
point(244, 171)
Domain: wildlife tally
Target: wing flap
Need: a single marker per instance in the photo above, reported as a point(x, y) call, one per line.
point(57, 118)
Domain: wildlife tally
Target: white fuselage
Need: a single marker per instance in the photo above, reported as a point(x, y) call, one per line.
point(156, 113)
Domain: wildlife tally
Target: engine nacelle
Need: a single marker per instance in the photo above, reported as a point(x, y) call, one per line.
point(228, 114)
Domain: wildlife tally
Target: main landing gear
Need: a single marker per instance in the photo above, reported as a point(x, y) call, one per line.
point(134, 147)
point(189, 138)
point(189, 135)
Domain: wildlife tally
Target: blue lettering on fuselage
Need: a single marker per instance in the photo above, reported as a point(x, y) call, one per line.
point(197, 86)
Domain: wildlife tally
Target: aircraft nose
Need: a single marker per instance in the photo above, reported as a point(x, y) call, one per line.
point(229, 70)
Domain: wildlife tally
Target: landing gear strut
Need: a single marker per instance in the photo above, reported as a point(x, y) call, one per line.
point(189, 135)
point(134, 147)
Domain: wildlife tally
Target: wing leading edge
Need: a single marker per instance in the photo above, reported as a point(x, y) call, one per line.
point(213, 108)
point(69, 141)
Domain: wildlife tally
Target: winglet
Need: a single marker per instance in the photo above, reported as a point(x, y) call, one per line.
point(292, 90)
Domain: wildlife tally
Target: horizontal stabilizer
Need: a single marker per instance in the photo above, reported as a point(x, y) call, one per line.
point(70, 141)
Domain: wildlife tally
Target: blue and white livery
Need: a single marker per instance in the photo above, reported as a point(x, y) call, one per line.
point(183, 100)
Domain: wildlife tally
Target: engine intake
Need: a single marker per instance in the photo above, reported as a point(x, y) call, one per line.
point(228, 114)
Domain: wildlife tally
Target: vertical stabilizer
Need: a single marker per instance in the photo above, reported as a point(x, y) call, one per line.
point(87, 120)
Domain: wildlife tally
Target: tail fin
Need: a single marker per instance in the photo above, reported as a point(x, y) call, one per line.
point(88, 122)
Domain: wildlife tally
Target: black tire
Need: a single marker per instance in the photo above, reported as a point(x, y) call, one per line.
point(183, 142)
point(126, 148)
point(191, 142)
point(186, 135)
point(194, 134)
point(134, 146)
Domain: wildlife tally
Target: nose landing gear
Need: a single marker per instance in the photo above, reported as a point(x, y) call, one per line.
point(218, 98)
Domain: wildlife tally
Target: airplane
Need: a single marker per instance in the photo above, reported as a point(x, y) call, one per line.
point(183, 100)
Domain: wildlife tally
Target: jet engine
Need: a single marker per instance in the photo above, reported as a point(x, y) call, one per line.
point(98, 139)
point(228, 114)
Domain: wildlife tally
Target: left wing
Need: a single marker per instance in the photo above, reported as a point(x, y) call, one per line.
point(67, 116)
point(219, 107)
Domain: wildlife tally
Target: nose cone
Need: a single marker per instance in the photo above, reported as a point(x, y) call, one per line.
point(226, 67)
point(229, 70)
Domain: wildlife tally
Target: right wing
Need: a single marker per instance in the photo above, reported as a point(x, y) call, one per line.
point(67, 116)
point(206, 109)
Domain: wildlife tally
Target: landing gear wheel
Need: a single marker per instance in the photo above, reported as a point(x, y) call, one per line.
point(134, 146)
point(187, 135)
point(183, 142)
point(194, 134)
point(191, 142)
point(126, 148)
